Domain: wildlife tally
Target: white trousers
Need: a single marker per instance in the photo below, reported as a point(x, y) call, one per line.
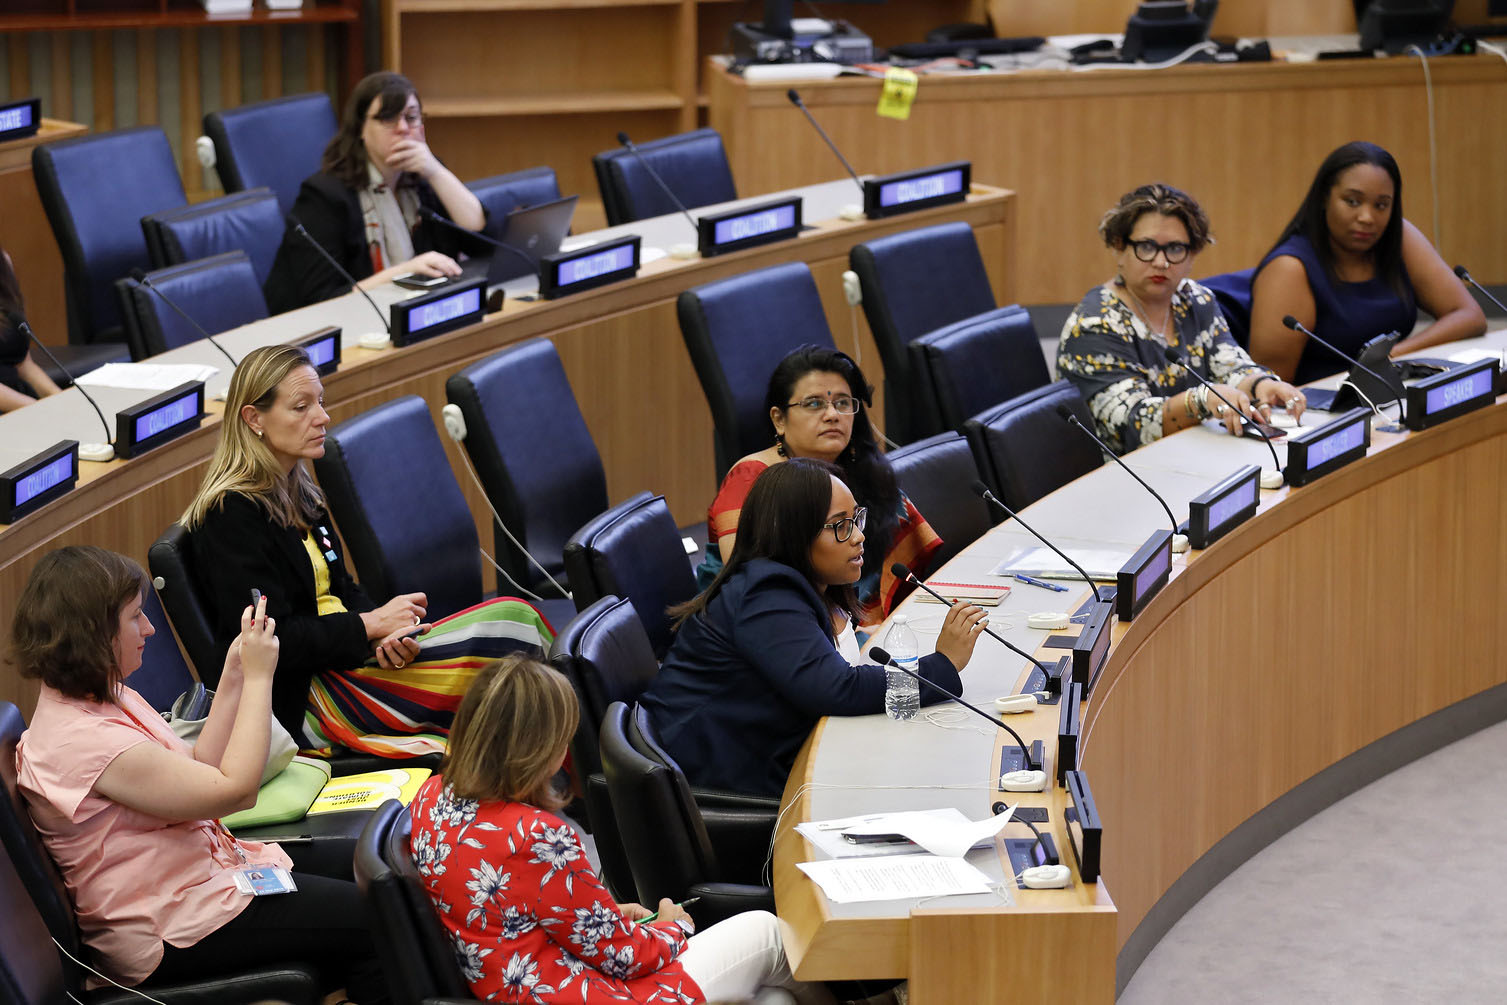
point(743, 959)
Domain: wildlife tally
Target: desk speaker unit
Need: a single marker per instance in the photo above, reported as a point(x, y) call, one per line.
point(1453, 393)
point(1084, 831)
point(323, 348)
point(749, 227)
point(38, 480)
point(1069, 731)
point(908, 191)
point(19, 119)
point(452, 306)
point(587, 268)
point(1316, 452)
point(1144, 575)
point(1092, 645)
point(1232, 501)
point(157, 420)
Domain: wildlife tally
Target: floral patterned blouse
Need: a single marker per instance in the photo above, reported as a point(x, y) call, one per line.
point(1118, 366)
point(529, 918)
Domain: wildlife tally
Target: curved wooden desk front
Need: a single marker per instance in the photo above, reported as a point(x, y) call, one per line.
point(1347, 628)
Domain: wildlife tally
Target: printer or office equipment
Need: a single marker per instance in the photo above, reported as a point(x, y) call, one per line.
point(779, 38)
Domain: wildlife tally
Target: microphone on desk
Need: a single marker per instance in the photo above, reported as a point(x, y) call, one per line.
point(1269, 480)
point(1464, 274)
point(141, 277)
point(298, 229)
point(1179, 541)
point(885, 659)
point(88, 451)
point(1297, 326)
point(627, 144)
point(795, 99)
point(982, 491)
point(445, 221)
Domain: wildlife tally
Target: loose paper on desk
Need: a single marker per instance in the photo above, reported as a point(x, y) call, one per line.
point(146, 376)
point(1043, 563)
point(899, 877)
point(944, 831)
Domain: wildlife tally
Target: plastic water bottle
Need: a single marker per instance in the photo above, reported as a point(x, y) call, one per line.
point(902, 694)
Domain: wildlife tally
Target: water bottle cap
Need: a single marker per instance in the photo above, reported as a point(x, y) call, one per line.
point(901, 619)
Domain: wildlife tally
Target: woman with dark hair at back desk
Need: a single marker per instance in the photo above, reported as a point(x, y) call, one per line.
point(22, 381)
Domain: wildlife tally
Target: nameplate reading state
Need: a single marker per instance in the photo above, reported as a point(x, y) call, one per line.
point(1216, 511)
point(573, 271)
point(749, 227)
point(1319, 451)
point(38, 480)
point(453, 306)
point(1144, 575)
point(323, 348)
point(913, 190)
point(20, 118)
point(153, 422)
point(1068, 730)
point(1092, 645)
point(1084, 831)
point(1443, 396)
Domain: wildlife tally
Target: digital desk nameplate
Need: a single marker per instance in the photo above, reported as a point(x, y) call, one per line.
point(1144, 575)
point(1068, 730)
point(1443, 396)
point(20, 118)
point(908, 191)
point(1091, 646)
point(1219, 510)
point(1084, 831)
point(1313, 454)
point(323, 348)
point(153, 422)
point(452, 306)
point(597, 265)
point(38, 480)
point(749, 227)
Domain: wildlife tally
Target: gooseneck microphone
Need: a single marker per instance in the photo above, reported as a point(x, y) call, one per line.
point(627, 144)
point(102, 451)
point(795, 99)
point(141, 277)
point(445, 221)
point(298, 229)
point(1464, 274)
point(884, 659)
point(1267, 483)
point(1179, 541)
point(1297, 326)
point(982, 491)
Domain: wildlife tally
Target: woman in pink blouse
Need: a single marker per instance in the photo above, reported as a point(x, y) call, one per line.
point(530, 920)
point(129, 811)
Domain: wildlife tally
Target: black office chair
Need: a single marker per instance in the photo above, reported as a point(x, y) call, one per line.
point(934, 473)
point(675, 847)
point(276, 144)
point(1233, 291)
point(913, 283)
point(693, 165)
point(737, 330)
point(978, 362)
point(1023, 448)
point(218, 293)
point(249, 221)
point(634, 551)
point(501, 194)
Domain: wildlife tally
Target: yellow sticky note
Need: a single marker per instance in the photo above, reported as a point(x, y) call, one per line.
point(899, 91)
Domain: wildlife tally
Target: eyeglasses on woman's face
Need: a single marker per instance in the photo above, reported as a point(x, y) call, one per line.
point(843, 529)
point(410, 117)
point(1175, 251)
point(815, 404)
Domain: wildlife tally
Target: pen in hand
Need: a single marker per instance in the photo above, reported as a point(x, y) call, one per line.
point(655, 916)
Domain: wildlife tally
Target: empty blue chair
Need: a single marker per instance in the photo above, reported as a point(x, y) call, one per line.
point(979, 362)
point(693, 165)
point(1023, 448)
point(276, 144)
point(248, 221)
point(934, 474)
point(219, 293)
point(1233, 291)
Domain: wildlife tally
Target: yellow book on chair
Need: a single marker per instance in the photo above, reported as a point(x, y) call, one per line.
point(369, 789)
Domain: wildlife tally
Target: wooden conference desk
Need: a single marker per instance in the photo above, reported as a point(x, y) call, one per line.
point(1244, 139)
point(1349, 627)
point(621, 347)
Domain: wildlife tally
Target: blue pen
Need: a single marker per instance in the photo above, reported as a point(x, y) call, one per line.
point(1041, 583)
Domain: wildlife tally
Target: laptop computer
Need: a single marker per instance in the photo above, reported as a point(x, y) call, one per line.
point(533, 231)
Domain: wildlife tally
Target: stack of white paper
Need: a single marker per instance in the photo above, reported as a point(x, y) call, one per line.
point(226, 6)
point(1047, 564)
point(901, 877)
point(146, 376)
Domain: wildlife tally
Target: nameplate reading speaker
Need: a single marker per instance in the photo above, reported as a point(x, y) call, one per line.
point(749, 227)
point(38, 480)
point(20, 118)
point(157, 420)
point(1144, 575)
point(1068, 731)
point(1443, 396)
point(1092, 645)
point(323, 348)
point(1315, 453)
point(452, 306)
point(1084, 831)
point(1215, 512)
point(587, 268)
point(912, 190)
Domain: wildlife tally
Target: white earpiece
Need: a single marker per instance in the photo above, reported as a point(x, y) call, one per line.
point(455, 423)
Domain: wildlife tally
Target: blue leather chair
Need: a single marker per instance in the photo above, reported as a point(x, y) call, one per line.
point(914, 283)
point(395, 499)
point(501, 194)
point(979, 362)
point(693, 165)
point(1233, 291)
point(737, 330)
point(220, 293)
point(633, 550)
point(935, 473)
point(1023, 448)
point(248, 221)
point(275, 143)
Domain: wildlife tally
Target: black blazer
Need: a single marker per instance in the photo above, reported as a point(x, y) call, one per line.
point(239, 547)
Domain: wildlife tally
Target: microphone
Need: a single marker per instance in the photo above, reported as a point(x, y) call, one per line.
point(1268, 480)
point(982, 491)
point(293, 222)
point(1025, 752)
point(1461, 271)
point(1297, 326)
point(1179, 541)
point(429, 214)
point(902, 573)
point(624, 141)
point(141, 277)
point(88, 451)
point(795, 99)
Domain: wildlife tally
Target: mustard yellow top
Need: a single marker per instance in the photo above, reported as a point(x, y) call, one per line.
point(327, 602)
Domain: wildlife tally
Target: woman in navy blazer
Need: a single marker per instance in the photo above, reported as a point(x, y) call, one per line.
point(754, 663)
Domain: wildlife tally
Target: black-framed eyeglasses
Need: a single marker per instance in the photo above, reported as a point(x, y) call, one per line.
point(816, 404)
point(1176, 251)
point(411, 117)
point(843, 529)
